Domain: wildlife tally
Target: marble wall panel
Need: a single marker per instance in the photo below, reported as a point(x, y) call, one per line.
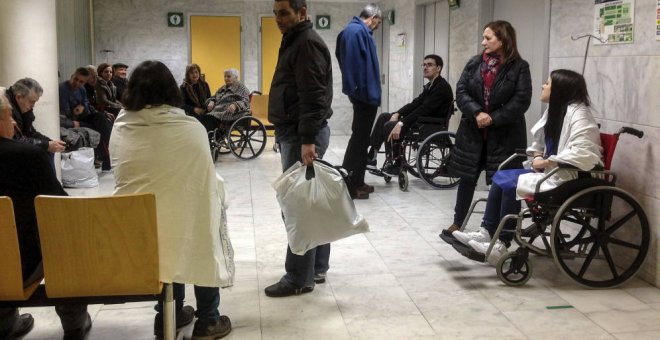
point(623, 82)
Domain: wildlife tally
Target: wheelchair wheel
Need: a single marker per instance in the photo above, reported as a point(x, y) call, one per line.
point(514, 268)
point(600, 237)
point(403, 180)
point(246, 138)
point(410, 155)
point(433, 157)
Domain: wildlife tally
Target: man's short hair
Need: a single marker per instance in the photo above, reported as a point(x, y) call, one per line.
point(371, 10)
point(118, 65)
point(436, 58)
point(296, 5)
point(25, 85)
point(82, 71)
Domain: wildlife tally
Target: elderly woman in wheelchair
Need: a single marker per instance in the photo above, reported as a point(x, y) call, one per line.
point(599, 234)
point(229, 103)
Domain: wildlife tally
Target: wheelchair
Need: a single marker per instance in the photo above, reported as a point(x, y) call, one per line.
point(597, 234)
point(245, 137)
point(423, 152)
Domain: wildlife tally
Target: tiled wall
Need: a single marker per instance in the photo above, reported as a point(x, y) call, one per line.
point(624, 84)
point(137, 31)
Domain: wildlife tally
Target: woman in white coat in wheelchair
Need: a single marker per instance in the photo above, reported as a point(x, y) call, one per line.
point(569, 121)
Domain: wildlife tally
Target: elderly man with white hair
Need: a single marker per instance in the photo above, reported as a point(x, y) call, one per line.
point(230, 102)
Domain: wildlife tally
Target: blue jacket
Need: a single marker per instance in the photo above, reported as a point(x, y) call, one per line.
point(358, 60)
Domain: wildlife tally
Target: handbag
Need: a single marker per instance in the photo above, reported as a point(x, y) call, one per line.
point(78, 169)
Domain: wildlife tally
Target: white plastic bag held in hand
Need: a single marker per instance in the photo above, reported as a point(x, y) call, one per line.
point(318, 210)
point(78, 169)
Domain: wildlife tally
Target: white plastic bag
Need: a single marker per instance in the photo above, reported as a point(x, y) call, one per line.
point(78, 169)
point(317, 210)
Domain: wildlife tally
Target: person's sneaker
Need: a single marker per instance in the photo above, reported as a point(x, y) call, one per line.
point(391, 170)
point(452, 228)
point(183, 318)
point(480, 235)
point(211, 331)
point(281, 290)
point(499, 249)
point(23, 325)
point(319, 277)
point(79, 333)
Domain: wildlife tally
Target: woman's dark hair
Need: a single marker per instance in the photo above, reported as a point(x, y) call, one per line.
point(189, 69)
point(566, 87)
point(507, 35)
point(101, 68)
point(151, 83)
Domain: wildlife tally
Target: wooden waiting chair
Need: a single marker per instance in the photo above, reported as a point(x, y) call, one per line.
point(11, 280)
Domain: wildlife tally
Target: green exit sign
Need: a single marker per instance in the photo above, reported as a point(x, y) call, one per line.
point(323, 22)
point(175, 19)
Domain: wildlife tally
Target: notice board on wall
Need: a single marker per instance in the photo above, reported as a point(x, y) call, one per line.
point(614, 21)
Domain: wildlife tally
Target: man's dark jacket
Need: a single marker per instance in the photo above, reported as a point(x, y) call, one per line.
point(509, 100)
point(301, 90)
point(28, 133)
point(25, 172)
point(434, 101)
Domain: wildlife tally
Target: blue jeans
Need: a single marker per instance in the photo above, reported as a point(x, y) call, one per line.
point(500, 203)
point(208, 301)
point(300, 270)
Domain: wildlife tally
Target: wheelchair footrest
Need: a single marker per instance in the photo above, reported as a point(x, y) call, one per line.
point(469, 252)
point(449, 239)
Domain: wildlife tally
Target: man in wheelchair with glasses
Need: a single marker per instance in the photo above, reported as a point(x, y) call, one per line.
point(435, 101)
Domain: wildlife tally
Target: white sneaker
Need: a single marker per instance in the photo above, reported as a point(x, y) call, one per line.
point(480, 235)
point(498, 250)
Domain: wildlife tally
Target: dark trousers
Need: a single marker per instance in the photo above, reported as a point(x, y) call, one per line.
point(99, 123)
point(210, 123)
point(500, 203)
point(208, 301)
point(300, 270)
point(382, 129)
point(465, 190)
point(355, 158)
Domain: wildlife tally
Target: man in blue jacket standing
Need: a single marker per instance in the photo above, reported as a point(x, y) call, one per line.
point(358, 60)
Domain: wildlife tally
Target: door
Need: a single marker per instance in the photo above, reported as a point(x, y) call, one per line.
point(382, 37)
point(270, 46)
point(215, 44)
point(531, 20)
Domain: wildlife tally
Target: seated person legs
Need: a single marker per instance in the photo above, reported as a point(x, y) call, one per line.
point(380, 135)
point(97, 122)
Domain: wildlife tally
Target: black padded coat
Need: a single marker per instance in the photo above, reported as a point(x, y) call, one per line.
point(510, 99)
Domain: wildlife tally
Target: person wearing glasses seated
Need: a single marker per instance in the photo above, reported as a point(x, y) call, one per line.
point(434, 101)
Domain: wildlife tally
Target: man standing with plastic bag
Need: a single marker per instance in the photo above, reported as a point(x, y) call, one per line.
point(299, 106)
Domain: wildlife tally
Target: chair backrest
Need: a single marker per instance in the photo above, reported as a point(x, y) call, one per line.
point(11, 280)
point(259, 107)
point(99, 246)
point(608, 142)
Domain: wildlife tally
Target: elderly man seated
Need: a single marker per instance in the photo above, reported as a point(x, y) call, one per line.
point(25, 172)
point(230, 102)
point(434, 101)
point(22, 96)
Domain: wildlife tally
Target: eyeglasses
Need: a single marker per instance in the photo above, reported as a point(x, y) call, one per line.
point(425, 65)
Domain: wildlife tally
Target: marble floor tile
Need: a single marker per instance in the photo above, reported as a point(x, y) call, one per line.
point(399, 281)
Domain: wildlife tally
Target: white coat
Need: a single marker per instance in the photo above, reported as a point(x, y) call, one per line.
point(579, 145)
point(161, 150)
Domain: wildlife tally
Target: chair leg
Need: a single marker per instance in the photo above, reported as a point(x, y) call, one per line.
point(169, 330)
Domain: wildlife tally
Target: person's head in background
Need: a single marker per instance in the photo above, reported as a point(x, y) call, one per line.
point(231, 76)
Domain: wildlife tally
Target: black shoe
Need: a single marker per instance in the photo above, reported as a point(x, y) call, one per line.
point(366, 188)
point(23, 325)
point(79, 333)
point(281, 290)
point(211, 331)
point(319, 277)
point(361, 195)
point(183, 318)
point(391, 170)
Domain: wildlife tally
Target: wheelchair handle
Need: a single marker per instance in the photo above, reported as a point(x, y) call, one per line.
point(631, 131)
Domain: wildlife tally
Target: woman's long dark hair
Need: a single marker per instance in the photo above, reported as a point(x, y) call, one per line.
point(151, 83)
point(507, 35)
point(566, 87)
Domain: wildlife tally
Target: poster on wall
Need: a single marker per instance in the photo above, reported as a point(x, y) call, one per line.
point(614, 21)
point(657, 20)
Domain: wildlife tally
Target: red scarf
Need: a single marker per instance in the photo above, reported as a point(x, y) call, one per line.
point(490, 64)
